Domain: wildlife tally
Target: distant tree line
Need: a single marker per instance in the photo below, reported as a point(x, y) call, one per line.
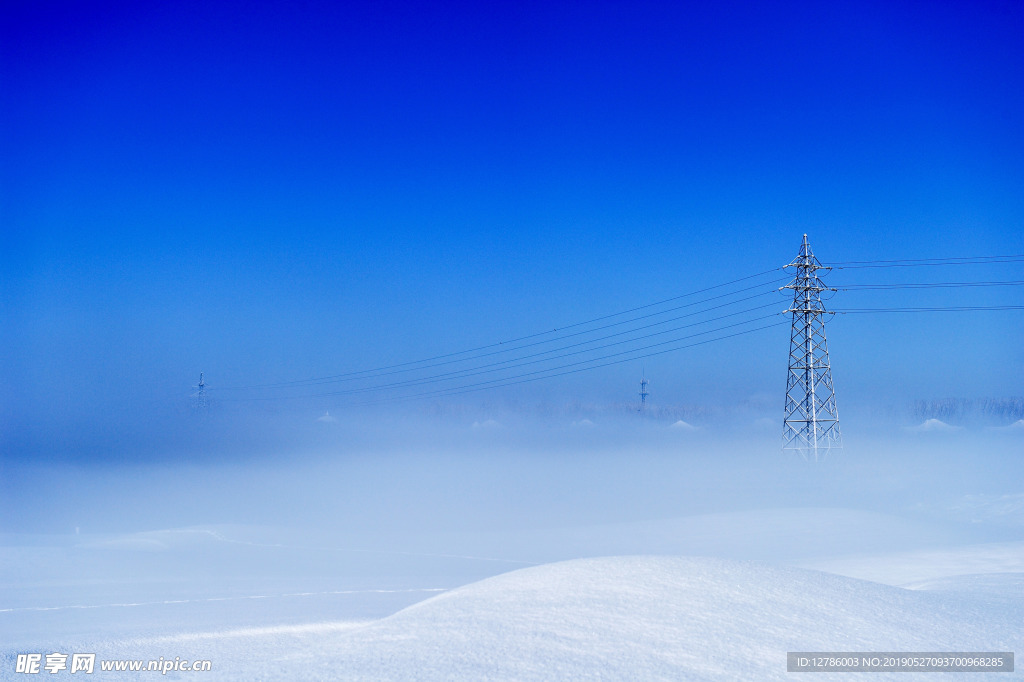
point(952, 410)
point(667, 412)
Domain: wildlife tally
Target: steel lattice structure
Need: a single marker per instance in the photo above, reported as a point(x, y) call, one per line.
point(200, 401)
point(643, 394)
point(811, 426)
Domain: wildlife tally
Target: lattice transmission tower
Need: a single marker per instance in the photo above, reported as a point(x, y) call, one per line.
point(643, 394)
point(811, 426)
point(200, 401)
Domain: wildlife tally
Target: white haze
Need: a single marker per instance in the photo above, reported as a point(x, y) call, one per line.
point(298, 548)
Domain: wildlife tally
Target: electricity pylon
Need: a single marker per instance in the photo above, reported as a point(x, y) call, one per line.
point(811, 426)
point(200, 402)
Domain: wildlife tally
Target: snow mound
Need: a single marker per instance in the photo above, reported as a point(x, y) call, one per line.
point(181, 539)
point(649, 618)
point(996, 585)
point(933, 426)
point(925, 564)
point(979, 508)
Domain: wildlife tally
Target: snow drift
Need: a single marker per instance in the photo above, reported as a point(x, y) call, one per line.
point(618, 618)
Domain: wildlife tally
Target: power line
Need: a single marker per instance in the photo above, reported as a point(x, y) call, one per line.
point(535, 358)
point(408, 366)
point(938, 309)
point(925, 262)
point(921, 260)
point(587, 365)
point(549, 369)
point(928, 285)
point(480, 386)
point(537, 339)
point(546, 371)
point(476, 371)
point(566, 347)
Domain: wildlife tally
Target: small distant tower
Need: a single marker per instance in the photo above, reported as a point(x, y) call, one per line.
point(643, 394)
point(811, 426)
point(200, 401)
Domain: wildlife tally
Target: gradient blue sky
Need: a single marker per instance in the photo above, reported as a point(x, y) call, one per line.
point(274, 191)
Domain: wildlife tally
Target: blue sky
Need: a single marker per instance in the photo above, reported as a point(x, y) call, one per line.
point(295, 190)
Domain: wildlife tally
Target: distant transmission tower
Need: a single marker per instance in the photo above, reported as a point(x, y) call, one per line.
point(811, 426)
point(200, 401)
point(643, 394)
